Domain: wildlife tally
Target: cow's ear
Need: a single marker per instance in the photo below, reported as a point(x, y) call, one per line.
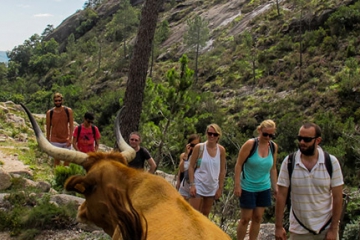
point(76, 183)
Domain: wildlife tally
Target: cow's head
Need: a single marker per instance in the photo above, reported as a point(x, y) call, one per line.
point(105, 186)
point(106, 189)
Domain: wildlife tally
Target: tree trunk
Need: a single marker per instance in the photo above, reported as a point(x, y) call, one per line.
point(278, 7)
point(197, 55)
point(152, 59)
point(134, 94)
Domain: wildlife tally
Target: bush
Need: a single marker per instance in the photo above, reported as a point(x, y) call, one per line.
point(31, 213)
point(46, 215)
point(62, 173)
point(352, 230)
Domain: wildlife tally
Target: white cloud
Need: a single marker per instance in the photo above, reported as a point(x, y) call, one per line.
point(43, 15)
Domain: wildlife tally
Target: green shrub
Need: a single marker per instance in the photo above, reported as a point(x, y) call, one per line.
point(62, 173)
point(352, 230)
point(31, 213)
point(46, 215)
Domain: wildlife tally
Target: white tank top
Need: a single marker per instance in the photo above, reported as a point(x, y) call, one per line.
point(207, 176)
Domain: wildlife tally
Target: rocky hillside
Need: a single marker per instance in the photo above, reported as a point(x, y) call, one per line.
point(286, 61)
point(24, 170)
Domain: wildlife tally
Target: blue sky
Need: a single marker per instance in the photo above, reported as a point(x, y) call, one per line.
point(20, 19)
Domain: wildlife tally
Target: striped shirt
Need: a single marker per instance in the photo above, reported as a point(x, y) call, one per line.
point(311, 196)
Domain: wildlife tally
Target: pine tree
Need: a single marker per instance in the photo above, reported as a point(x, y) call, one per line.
point(196, 37)
point(167, 110)
point(134, 94)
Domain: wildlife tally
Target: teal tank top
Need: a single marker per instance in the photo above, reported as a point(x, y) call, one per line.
point(257, 173)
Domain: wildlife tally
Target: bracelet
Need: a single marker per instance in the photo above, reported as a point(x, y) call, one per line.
point(192, 184)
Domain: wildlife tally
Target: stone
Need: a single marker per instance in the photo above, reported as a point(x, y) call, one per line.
point(43, 186)
point(62, 199)
point(5, 180)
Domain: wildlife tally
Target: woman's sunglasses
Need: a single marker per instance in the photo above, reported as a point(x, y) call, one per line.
point(192, 145)
point(212, 134)
point(268, 135)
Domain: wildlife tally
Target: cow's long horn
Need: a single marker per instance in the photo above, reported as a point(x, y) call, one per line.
point(127, 151)
point(46, 146)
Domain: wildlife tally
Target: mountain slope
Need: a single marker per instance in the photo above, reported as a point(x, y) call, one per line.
point(293, 65)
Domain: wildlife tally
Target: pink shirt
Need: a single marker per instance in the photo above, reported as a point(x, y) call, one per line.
point(86, 141)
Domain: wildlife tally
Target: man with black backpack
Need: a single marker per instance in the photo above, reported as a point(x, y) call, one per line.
point(59, 125)
point(86, 137)
point(315, 183)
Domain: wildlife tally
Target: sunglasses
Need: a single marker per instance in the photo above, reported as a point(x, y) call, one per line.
point(268, 135)
point(134, 139)
point(192, 145)
point(306, 139)
point(212, 134)
point(57, 100)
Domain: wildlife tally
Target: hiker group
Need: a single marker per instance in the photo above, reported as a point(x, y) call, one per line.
point(61, 133)
point(309, 184)
point(86, 137)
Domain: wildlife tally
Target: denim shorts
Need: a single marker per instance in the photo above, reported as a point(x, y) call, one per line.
point(251, 200)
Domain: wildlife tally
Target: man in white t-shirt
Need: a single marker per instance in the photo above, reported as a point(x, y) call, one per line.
point(316, 197)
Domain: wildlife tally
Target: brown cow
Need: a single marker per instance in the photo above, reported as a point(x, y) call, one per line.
point(127, 203)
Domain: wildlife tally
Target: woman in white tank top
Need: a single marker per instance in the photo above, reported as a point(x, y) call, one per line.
point(206, 183)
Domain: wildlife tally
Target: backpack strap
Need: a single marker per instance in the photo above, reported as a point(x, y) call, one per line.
point(78, 132)
point(67, 113)
point(94, 132)
point(328, 164)
point(52, 112)
point(290, 166)
point(310, 230)
point(272, 147)
point(253, 150)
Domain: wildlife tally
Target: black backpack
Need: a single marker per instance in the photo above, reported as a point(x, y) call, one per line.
point(52, 112)
point(290, 166)
point(253, 149)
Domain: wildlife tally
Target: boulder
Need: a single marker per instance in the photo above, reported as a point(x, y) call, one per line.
point(5, 180)
point(62, 199)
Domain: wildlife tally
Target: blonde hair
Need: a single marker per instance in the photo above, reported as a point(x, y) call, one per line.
point(267, 124)
point(216, 128)
point(58, 95)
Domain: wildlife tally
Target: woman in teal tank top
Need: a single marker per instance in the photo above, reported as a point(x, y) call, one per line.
point(255, 176)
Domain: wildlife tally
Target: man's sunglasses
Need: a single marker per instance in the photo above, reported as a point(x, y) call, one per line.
point(268, 135)
point(57, 100)
point(212, 134)
point(305, 139)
